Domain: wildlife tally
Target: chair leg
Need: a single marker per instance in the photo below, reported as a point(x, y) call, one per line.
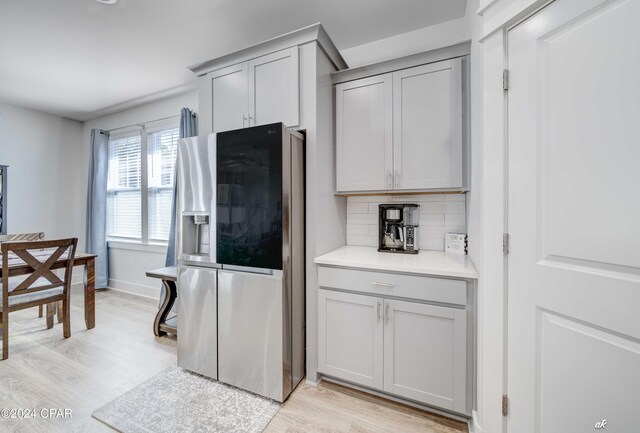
point(40, 312)
point(5, 335)
point(66, 317)
point(50, 313)
point(59, 310)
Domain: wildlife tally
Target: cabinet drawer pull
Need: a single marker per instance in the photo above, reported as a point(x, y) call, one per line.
point(389, 181)
point(244, 120)
point(386, 313)
point(388, 285)
point(379, 312)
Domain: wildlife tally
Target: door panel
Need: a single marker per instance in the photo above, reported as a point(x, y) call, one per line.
point(364, 140)
point(230, 98)
point(425, 353)
point(350, 337)
point(574, 262)
point(197, 321)
point(273, 88)
point(250, 334)
point(427, 126)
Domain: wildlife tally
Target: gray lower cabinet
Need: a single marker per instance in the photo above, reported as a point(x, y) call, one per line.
point(409, 349)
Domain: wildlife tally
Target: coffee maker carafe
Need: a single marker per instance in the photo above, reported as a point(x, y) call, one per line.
point(398, 228)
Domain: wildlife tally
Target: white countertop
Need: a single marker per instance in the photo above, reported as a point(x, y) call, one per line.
point(436, 263)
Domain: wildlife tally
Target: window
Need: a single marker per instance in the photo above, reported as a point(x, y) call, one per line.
point(124, 186)
point(140, 184)
point(163, 150)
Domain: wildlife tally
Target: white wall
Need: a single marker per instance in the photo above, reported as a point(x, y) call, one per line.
point(128, 262)
point(413, 42)
point(473, 32)
point(47, 174)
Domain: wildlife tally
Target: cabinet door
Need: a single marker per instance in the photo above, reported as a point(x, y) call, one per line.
point(425, 353)
point(273, 88)
point(350, 337)
point(230, 98)
point(364, 139)
point(427, 126)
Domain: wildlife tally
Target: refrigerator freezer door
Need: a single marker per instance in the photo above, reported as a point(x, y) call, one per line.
point(195, 200)
point(197, 321)
point(250, 337)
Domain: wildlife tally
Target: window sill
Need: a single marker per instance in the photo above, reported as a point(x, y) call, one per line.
point(121, 244)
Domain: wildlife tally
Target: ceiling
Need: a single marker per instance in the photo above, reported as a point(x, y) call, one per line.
point(75, 58)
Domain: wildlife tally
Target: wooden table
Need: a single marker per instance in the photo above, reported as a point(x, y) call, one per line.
point(18, 267)
point(163, 323)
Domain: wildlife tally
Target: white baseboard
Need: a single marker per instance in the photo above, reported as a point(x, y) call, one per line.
point(135, 289)
point(474, 423)
point(312, 383)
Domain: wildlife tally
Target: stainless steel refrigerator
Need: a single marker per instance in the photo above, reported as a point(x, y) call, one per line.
point(253, 242)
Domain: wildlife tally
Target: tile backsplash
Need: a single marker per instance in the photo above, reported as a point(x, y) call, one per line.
point(439, 214)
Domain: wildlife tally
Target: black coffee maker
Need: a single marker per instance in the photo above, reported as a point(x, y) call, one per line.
point(398, 228)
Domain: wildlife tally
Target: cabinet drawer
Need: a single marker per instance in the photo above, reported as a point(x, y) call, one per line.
point(394, 285)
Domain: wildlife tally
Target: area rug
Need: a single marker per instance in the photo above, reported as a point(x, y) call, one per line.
point(177, 401)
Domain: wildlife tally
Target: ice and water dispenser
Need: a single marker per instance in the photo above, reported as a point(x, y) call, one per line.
point(195, 236)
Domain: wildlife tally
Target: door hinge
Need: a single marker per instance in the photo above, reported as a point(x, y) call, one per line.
point(505, 80)
point(505, 243)
point(505, 405)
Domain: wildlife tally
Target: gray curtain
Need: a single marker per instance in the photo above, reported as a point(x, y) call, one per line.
point(188, 128)
point(96, 225)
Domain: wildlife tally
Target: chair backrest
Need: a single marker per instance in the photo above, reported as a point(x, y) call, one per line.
point(22, 237)
point(40, 256)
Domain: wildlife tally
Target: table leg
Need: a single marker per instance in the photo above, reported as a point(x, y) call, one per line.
point(90, 294)
point(170, 293)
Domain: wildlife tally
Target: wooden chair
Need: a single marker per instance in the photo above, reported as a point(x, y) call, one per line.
point(38, 236)
point(41, 287)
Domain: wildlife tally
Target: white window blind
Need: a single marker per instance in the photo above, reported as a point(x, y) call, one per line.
point(162, 152)
point(124, 198)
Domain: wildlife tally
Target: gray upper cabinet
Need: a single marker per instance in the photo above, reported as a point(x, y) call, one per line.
point(401, 130)
point(255, 92)
point(229, 97)
point(364, 135)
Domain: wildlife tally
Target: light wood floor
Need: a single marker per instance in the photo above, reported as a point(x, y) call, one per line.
point(95, 366)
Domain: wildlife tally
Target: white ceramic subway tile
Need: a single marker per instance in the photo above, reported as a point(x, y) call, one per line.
point(413, 198)
point(357, 207)
point(457, 207)
point(364, 241)
point(373, 208)
point(432, 219)
point(369, 199)
point(362, 218)
point(357, 229)
point(455, 230)
point(431, 232)
point(435, 207)
point(455, 220)
point(455, 197)
point(435, 244)
point(373, 230)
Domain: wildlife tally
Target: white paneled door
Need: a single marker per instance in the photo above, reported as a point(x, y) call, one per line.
point(574, 219)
